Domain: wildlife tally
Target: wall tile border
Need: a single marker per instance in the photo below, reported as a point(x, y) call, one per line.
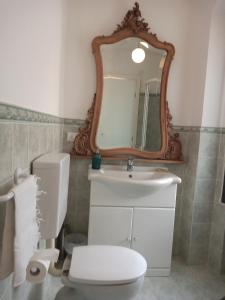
point(15, 113)
point(199, 129)
point(75, 122)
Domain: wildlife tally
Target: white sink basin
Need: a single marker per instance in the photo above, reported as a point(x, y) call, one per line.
point(146, 177)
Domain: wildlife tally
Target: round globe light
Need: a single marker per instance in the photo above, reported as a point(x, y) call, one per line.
point(138, 55)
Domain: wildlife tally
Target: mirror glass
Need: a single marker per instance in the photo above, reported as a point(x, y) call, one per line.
point(130, 108)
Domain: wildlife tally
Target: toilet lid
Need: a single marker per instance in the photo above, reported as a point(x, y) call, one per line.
point(101, 265)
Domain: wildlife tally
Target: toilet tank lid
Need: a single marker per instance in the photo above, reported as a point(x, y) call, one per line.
point(50, 160)
point(101, 265)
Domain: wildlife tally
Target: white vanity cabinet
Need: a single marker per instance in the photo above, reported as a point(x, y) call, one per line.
point(142, 220)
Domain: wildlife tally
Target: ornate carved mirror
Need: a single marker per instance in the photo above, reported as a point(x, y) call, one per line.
point(129, 114)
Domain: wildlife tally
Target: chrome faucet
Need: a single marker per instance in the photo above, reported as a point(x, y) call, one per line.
point(130, 164)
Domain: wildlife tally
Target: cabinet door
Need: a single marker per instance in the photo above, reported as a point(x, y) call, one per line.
point(110, 226)
point(153, 235)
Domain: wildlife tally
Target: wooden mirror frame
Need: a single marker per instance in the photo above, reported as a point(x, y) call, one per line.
point(85, 142)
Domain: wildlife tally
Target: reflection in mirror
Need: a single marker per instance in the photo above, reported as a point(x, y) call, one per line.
point(130, 108)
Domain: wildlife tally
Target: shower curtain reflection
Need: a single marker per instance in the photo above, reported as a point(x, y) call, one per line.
point(149, 129)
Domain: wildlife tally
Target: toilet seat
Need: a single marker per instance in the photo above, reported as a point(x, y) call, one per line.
point(106, 265)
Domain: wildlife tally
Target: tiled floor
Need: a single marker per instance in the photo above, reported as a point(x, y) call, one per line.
point(185, 283)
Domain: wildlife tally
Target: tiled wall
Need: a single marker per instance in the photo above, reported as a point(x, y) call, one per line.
point(201, 196)
point(216, 257)
point(199, 222)
point(24, 135)
point(79, 186)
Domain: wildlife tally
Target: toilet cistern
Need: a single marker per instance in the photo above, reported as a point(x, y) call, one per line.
point(130, 164)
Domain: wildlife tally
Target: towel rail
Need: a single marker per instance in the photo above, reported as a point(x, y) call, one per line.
point(19, 174)
point(6, 197)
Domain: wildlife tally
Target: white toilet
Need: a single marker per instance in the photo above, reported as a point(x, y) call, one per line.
point(94, 272)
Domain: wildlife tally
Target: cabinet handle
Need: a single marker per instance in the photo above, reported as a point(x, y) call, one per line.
point(128, 239)
point(134, 239)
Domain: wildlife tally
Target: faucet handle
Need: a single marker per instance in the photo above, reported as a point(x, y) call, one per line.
point(130, 164)
point(130, 160)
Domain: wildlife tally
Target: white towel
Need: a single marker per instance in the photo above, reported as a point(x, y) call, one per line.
point(26, 226)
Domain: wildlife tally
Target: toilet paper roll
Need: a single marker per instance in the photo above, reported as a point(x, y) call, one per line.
point(37, 270)
point(38, 266)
